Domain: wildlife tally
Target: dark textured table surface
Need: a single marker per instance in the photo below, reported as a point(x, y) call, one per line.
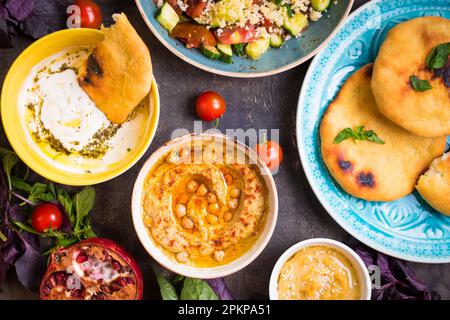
point(269, 102)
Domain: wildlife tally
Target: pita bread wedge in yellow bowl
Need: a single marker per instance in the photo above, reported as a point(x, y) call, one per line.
point(74, 131)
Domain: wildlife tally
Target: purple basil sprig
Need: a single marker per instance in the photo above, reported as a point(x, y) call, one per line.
point(220, 288)
point(398, 280)
point(34, 18)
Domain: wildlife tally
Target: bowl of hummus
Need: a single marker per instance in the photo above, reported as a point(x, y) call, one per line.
point(204, 206)
point(320, 269)
point(54, 125)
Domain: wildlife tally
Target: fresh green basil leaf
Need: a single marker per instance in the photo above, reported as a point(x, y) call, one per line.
point(51, 188)
point(344, 135)
point(9, 160)
point(358, 134)
point(84, 229)
point(168, 291)
point(438, 56)
point(178, 279)
point(197, 289)
point(20, 184)
point(419, 84)
point(66, 201)
point(83, 202)
point(372, 137)
point(38, 192)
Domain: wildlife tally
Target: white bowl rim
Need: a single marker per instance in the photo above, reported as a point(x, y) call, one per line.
point(360, 267)
point(190, 271)
point(245, 74)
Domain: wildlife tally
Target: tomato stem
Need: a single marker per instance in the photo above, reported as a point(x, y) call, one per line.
point(216, 123)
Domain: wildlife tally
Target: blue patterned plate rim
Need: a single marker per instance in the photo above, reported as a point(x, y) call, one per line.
point(435, 253)
point(242, 74)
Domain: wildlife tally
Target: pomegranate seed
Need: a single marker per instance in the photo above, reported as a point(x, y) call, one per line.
point(78, 294)
point(130, 280)
point(82, 257)
point(115, 286)
point(61, 278)
point(46, 291)
point(52, 281)
point(116, 265)
point(122, 282)
point(98, 296)
point(105, 289)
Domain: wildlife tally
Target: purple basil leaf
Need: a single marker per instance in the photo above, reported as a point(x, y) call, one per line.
point(5, 39)
point(4, 267)
point(19, 9)
point(410, 278)
point(10, 254)
point(398, 281)
point(31, 265)
point(220, 288)
point(386, 271)
point(47, 17)
point(16, 213)
point(365, 256)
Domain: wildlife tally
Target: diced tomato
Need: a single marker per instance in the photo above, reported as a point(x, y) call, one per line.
point(195, 8)
point(236, 35)
point(267, 24)
point(194, 35)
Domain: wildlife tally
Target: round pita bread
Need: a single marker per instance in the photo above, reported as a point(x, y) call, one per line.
point(434, 185)
point(402, 55)
point(367, 170)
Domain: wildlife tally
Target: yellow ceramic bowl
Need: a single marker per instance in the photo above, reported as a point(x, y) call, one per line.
point(18, 134)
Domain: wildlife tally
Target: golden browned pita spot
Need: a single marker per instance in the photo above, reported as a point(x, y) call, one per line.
point(434, 185)
point(118, 73)
point(367, 170)
point(403, 54)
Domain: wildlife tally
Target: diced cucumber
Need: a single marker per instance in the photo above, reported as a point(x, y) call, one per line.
point(320, 5)
point(225, 49)
point(239, 49)
point(256, 49)
point(295, 24)
point(276, 40)
point(210, 52)
point(226, 52)
point(167, 16)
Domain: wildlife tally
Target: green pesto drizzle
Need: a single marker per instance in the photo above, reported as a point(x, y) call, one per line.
point(98, 145)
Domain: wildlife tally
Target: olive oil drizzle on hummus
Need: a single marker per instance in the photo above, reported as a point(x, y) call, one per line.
point(206, 213)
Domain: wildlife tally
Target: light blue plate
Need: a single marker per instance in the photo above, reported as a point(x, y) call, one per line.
point(291, 54)
point(407, 228)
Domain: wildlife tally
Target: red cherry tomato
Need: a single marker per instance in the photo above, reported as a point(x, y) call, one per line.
point(270, 153)
point(90, 14)
point(210, 106)
point(46, 216)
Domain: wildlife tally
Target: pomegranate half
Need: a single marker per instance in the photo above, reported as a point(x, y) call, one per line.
point(93, 269)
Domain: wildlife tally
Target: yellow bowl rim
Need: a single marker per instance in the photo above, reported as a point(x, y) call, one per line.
point(47, 171)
